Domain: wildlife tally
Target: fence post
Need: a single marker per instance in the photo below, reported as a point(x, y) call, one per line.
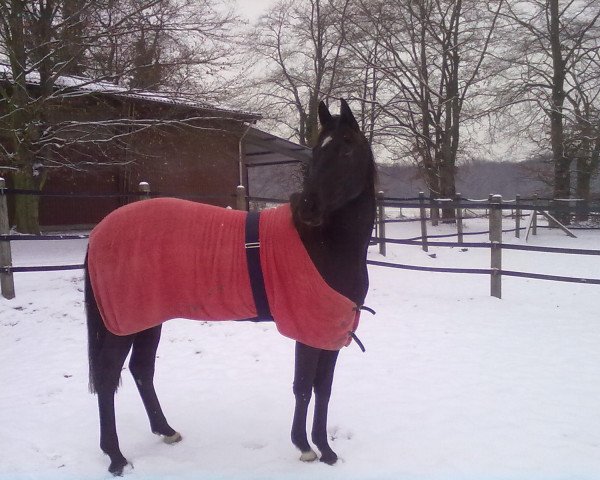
point(496, 241)
point(144, 191)
point(7, 283)
point(518, 216)
point(241, 203)
point(381, 223)
point(423, 221)
point(459, 218)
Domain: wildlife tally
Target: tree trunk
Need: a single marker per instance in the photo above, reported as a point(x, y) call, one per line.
point(584, 178)
point(562, 163)
point(431, 178)
point(587, 165)
point(312, 124)
point(26, 206)
point(448, 190)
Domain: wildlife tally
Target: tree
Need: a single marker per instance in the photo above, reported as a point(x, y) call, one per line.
point(551, 73)
point(174, 45)
point(299, 46)
point(28, 35)
point(45, 40)
point(431, 55)
point(364, 38)
point(582, 118)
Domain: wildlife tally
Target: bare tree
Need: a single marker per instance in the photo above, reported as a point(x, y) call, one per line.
point(173, 45)
point(582, 118)
point(28, 34)
point(432, 57)
point(46, 40)
point(364, 35)
point(299, 47)
point(554, 75)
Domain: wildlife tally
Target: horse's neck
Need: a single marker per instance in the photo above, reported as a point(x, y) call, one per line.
point(339, 248)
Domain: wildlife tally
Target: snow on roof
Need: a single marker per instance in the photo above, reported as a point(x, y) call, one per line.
point(86, 84)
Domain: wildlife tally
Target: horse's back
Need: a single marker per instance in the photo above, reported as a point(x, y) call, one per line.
point(158, 259)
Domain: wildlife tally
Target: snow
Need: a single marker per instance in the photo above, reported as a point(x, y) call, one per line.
point(455, 384)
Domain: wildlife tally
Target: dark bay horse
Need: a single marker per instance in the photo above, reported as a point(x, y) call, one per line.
point(333, 216)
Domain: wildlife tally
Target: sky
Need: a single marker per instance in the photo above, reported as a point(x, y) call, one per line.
point(252, 9)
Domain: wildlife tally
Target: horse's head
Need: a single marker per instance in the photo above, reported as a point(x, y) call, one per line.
point(342, 168)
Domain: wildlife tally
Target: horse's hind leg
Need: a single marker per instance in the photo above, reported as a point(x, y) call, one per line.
point(107, 353)
point(322, 384)
point(107, 374)
point(141, 366)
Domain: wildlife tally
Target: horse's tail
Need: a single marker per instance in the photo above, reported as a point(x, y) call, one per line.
point(96, 330)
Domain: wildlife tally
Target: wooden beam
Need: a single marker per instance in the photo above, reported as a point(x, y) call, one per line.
point(558, 224)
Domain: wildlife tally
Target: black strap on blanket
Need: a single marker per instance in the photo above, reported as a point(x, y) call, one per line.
point(257, 281)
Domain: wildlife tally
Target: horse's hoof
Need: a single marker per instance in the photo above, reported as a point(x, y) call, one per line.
point(171, 439)
point(309, 456)
point(117, 467)
point(330, 458)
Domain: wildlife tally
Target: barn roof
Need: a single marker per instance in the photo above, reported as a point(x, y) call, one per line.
point(261, 148)
point(75, 85)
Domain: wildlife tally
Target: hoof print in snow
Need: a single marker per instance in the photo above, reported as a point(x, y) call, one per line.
point(254, 445)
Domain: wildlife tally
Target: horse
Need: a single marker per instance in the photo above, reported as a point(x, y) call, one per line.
point(332, 220)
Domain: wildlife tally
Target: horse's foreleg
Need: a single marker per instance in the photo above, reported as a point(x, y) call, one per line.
point(110, 361)
point(141, 366)
point(307, 359)
point(322, 384)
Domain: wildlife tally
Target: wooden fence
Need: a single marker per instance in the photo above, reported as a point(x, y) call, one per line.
point(493, 208)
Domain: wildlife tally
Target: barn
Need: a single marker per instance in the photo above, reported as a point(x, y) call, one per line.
point(180, 146)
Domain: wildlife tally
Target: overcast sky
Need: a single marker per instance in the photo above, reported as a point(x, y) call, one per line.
point(252, 9)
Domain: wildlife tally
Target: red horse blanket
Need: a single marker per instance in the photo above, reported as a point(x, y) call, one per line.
point(159, 259)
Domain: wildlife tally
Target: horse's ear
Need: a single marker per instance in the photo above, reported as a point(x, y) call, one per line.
point(346, 115)
point(325, 117)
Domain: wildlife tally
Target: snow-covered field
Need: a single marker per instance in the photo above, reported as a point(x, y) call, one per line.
point(454, 385)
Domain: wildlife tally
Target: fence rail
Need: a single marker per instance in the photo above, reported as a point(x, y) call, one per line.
point(40, 268)
point(494, 206)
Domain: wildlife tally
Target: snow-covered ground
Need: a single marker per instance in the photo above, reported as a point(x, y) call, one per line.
point(455, 384)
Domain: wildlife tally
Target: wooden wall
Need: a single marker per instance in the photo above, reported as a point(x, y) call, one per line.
point(176, 159)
